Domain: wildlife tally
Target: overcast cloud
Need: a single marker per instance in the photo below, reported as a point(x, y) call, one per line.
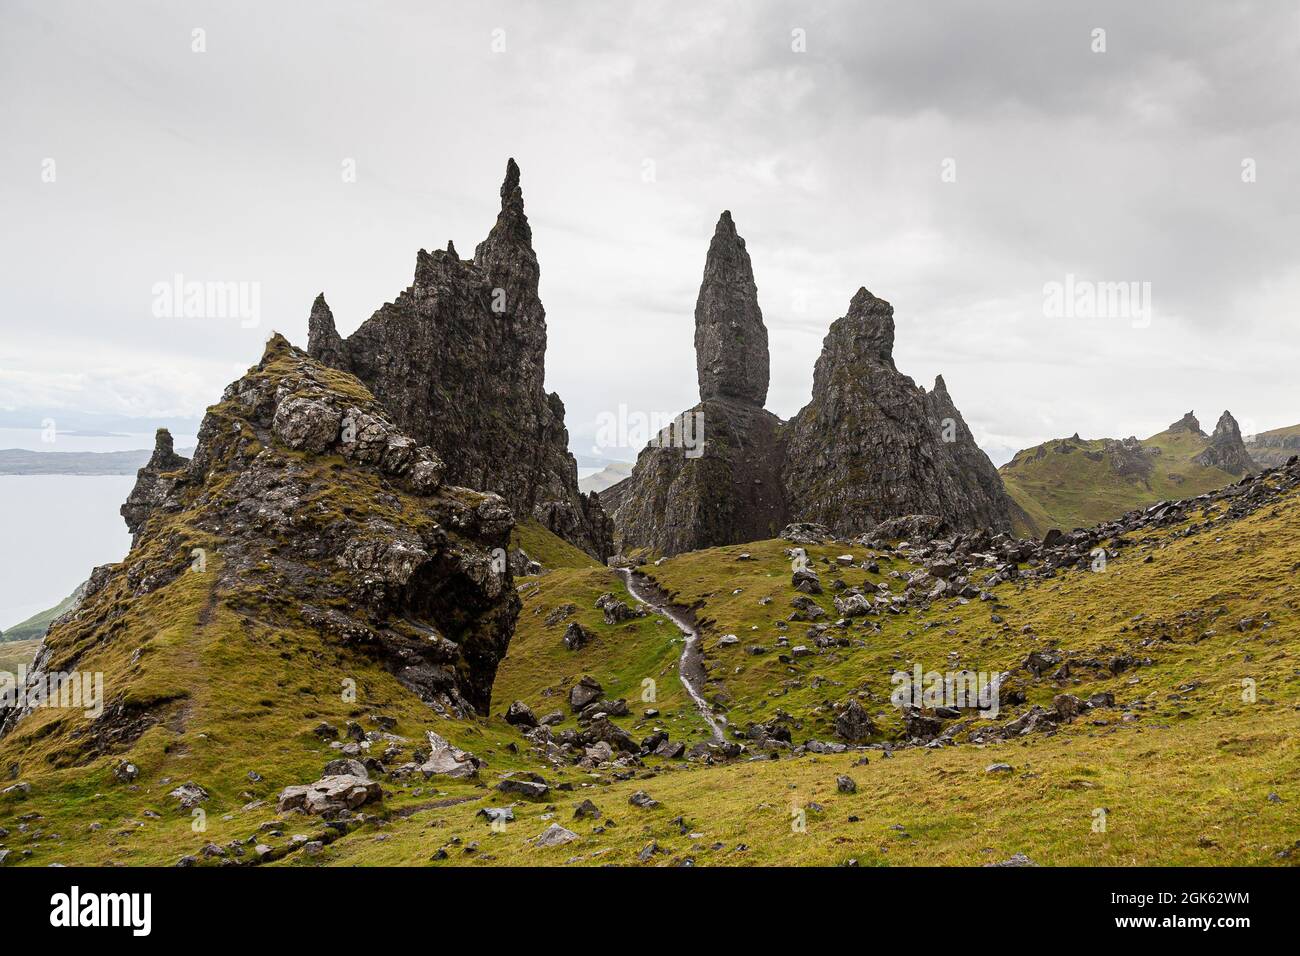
point(226, 165)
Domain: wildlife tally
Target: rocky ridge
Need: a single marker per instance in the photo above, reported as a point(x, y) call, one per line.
point(458, 360)
point(306, 503)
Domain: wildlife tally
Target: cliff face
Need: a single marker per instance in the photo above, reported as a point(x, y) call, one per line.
point(304, 510)
point(870, 445)
point(731, 491)
point(459, 361)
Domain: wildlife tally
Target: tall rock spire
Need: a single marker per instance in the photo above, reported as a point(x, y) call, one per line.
point(731, 358)
point(506, 256)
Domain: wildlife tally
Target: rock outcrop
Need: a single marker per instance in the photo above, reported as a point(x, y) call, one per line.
point(1273, 448)
point(311, 512)
point(458, 359)
point(1226, 450)
point(153, 482)
point(870, 446)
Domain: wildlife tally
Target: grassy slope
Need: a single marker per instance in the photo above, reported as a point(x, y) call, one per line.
point(548, 549)
point(15, 654)
point(1069, 490)
point(1185, 781)
point(248, 696)
point(539, 669)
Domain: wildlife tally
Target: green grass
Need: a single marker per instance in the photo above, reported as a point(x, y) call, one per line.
point(1058, 485)
point(1185, 781)
point(549, 550)
point(539, 669)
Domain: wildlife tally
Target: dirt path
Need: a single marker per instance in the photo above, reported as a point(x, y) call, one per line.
point(691, 665)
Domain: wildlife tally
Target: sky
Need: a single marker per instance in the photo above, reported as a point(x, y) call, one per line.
point(964, 161)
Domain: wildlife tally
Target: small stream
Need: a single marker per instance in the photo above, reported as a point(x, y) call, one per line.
point(691, 665)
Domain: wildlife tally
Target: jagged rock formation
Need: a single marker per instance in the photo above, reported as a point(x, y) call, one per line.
point(980, 487)
point(311, 511)
point(1129, 458)
point(459, 361)
point(153, 483)
point(1226, 449)
point(870, 446)
point(1188, 423)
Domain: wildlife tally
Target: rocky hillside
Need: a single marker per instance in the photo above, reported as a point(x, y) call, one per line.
point(870, 446)
point(459, 358)
point(1173, 654)
point(1272, 448)
point(304, 508)
point(1074, 483)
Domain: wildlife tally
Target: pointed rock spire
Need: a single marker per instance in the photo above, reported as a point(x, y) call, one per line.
point(1226, 449)
point(506, 256)
point(323, 338)
point(731, 357)
point(153, 483)
point(164, 456)
point(323, 341)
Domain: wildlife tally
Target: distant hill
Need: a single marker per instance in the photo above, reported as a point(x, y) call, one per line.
point(1272, 448)
point(607, 477)
point(16, 654)
point(1073, 482)
point(34, 627)
point(20, 461)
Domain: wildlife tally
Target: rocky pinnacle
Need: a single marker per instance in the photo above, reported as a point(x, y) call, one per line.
point(731, 358)
point(322, 336)
point(458, 360)
point(1226, 449)
point(871, 323)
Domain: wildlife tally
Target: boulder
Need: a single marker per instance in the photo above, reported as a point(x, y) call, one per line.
point(330, 795)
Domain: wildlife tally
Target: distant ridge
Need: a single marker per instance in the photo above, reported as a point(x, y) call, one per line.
point(21, 461)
